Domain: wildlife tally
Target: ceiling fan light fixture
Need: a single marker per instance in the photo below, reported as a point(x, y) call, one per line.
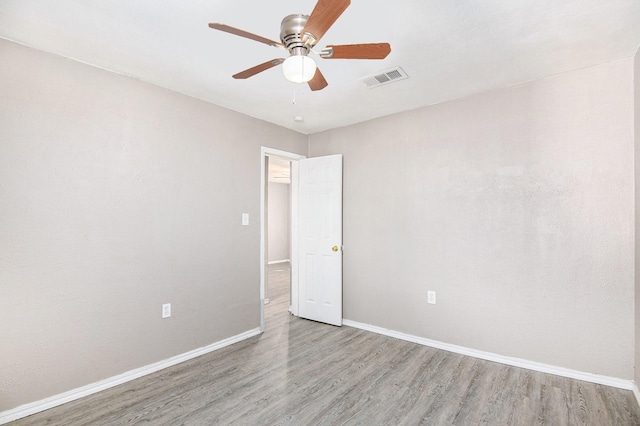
point(299, 68)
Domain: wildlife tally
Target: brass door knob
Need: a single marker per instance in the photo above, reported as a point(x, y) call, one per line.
point(335, 248)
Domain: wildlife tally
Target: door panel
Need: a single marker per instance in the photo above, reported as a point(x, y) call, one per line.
point(320, 245)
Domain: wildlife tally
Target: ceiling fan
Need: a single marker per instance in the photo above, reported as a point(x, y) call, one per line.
point(299, 34)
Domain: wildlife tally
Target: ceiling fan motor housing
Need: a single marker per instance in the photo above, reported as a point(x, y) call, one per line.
point(291, 34)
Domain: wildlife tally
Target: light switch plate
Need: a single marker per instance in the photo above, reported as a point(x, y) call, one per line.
point(166, 310)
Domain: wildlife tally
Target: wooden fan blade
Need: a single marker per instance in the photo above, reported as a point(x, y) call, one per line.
point(318, 82)
point(357, 51)
point(322, 18)
point(242, 33)
point(258, 69)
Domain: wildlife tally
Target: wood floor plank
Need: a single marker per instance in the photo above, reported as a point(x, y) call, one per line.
point(305, 373)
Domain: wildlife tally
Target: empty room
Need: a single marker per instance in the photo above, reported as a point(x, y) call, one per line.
point(319, 212)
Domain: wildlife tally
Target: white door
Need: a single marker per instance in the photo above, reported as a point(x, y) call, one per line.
point(320, 239)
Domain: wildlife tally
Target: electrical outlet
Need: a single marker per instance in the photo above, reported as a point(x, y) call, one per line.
point(431, 297)
point(245, 219)
point(166, 310)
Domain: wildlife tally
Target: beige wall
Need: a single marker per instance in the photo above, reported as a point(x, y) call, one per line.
point(115, 197)
point(637, 206)
point(516, 206)
point(278, 221)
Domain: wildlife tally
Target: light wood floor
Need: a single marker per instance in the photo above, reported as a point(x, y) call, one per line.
point(305, 373)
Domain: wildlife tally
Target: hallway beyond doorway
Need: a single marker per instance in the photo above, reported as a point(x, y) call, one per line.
point(279, 291)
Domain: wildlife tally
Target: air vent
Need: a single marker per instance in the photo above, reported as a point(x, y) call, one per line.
point(386, 77)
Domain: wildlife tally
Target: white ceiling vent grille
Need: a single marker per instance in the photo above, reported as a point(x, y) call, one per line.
point(386, 77)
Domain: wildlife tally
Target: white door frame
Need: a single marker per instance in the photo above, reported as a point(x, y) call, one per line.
point(264, 153)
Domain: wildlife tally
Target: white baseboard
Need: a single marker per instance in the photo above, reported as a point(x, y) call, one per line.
point(489, 356)
point(72, 395)
point(636, 392)
point(274, 262)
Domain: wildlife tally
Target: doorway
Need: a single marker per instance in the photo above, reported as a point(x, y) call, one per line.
point(278, 238)
point(315, 212)
point(278, 211)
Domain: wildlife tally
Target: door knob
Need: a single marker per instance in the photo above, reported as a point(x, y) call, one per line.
point(335, 248)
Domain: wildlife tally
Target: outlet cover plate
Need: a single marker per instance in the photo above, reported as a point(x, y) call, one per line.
point(431, 297)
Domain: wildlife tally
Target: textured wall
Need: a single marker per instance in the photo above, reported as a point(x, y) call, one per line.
point(516, 206)
point(115, 197)
point(636, 69)
point(278, 214)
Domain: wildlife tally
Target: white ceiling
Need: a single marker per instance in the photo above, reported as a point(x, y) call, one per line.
point(449, 48)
